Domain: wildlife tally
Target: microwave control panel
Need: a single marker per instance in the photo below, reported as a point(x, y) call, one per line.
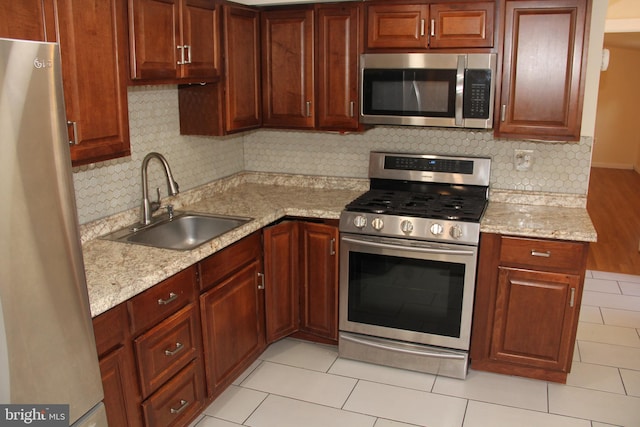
point(477, 94)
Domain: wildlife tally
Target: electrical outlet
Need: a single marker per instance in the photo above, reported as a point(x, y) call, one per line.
point(523, 159)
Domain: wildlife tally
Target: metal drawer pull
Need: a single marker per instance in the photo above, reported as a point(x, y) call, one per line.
point(172, 297)
point(422, 28)
point(572, 298)
point(541, 254)
point(74, 140)
point(332, 248)
point(181, 61)
point(433, 28)
point(352, 108)
point(178, 349)
point(308, 106)
point(503, 113)
point(188, 49)
point(261, 284)
point(183, 405)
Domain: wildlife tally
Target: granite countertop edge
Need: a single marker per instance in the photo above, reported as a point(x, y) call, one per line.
point(118, 271)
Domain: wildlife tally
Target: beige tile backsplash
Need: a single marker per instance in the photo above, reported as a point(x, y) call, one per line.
point(114, 186)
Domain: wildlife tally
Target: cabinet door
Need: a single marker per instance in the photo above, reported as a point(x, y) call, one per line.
point(232, 326)
point(92, 36)
point(281, 255)
point(28, 20)
point(542, 77)
point(287, 68)
point(534, 316)
point(154, 34)
point(319, 269)
point(462, 25)
point(200, 39)
point(337, 61)
point(242, 74)
point(400, 26)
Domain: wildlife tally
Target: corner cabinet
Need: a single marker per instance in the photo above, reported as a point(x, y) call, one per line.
point(528, 297)
point(543, 71)
point(174, 40)
point(301, 280)
point(419, 26)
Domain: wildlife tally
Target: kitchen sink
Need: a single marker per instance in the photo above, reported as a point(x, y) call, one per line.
point(182, 231)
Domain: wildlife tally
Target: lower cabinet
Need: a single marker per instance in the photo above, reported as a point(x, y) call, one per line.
point(528, 296)
point(232, 310)
point(301, 283)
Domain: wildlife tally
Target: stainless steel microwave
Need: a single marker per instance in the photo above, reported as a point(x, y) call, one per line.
point(428, 89)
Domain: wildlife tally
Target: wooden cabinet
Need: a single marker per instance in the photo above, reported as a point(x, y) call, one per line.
point(288, 97)
point(166, 334)
point(92, 36)
point(93, 49)
point(28, 20)
point(282, 295)
point(119, 378)
point(338, 49)
point(232, 309)
point(301, 280)
point(528, 296)
point(543, 69)
point(174, 40)
point(420, 26)
point(242, 68)
point(319, 280)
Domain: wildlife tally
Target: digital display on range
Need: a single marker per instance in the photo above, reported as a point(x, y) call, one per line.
point(428, 165)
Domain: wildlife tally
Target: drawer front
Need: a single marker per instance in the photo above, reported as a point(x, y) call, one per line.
point(545, 254)
point(167, 348)
point(162, 300)
point(110, 328)
point(179, 400)
point(221, 264)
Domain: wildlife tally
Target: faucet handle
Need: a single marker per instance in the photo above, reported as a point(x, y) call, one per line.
point(169, 209)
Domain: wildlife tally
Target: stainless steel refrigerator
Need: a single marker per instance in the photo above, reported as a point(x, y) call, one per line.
point(47, 347)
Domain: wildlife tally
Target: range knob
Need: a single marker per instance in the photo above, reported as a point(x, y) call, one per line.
point(406, 226)
point(436, 229)
point(360, 221)
point(377, 224)
point(455, 232)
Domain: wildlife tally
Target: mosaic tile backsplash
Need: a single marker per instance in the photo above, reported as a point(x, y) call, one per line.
point(115, 186)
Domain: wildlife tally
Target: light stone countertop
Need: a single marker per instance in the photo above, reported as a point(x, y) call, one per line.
point(118, 271)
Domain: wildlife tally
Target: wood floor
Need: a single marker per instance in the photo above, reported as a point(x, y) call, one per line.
point(613, 202)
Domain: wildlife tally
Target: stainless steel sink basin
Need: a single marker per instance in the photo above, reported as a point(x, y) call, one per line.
point(185, 231)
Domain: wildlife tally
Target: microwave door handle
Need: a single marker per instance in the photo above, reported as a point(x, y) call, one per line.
point(462, 63)
point(416, 91)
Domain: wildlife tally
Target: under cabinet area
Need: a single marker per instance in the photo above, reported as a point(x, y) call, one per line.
point(528, 296)
point(421, 26)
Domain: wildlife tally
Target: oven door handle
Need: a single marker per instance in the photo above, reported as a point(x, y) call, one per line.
point(411, 248)
point(418, 352)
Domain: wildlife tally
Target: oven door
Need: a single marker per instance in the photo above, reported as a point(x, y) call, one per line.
point(407, 290)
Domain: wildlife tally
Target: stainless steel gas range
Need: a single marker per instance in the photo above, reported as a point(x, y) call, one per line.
point(408, 252)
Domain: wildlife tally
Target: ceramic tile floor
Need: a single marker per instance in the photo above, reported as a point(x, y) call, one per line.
point(301, 384)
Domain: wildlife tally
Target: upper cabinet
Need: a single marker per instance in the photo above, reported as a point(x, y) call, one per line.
point(337, 52)
point(543, 70)
point(418, 26)
point(93, 48)
point(288, 97)
point(174, 40)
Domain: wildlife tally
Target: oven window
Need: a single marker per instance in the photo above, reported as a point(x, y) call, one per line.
point(417, 92)
point(406, 293)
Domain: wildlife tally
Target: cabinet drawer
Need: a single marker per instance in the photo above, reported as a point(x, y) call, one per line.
point(162, 300)
point(110, 328)
point(546, 254)
point(166, 348)
point(179, 400)
point(228, 260)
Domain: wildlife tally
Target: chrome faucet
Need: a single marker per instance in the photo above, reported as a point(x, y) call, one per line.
point(148, 207)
